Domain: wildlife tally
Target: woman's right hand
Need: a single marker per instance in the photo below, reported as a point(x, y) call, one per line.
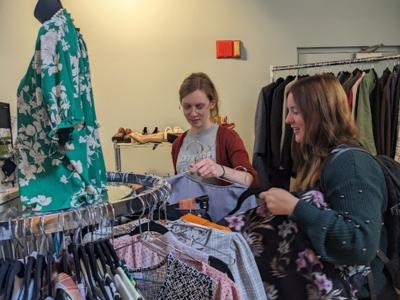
point(207, 168)
point(279, 201)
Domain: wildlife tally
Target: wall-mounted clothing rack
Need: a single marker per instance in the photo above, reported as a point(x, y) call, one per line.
point(154, 194)
point(274, 69)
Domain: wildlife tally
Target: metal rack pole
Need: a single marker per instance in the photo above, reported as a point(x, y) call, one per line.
point(117, 156)
point(331, 63)
point(156, 192)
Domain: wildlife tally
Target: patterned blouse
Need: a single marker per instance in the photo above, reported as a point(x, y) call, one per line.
point(60, 160)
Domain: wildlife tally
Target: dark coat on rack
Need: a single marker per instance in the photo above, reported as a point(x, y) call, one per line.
point(262, 156)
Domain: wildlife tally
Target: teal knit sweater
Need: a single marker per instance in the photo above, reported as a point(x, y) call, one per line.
point(352, 232)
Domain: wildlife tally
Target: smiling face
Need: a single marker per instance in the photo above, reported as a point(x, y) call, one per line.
point(197, 110)
point(295, 119)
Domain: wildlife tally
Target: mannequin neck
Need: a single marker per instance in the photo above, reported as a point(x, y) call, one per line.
point(45, 9)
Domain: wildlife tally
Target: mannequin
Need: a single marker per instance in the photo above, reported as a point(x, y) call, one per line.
point(45, 9)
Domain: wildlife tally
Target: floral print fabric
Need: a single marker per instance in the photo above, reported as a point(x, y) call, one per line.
point(289, 267)
point(60, 160)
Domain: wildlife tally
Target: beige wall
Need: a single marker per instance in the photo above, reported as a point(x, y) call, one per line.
point(140, 50)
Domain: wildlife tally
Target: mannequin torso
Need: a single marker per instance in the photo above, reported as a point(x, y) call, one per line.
point(45, 9)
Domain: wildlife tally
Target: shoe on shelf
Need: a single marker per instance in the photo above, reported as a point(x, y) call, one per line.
point(156, 130)
point(127, 137)
point(119, 136)
point(170, 134)
point(146, 138)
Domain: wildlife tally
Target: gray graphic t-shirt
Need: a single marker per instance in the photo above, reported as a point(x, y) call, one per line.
point(196, 147)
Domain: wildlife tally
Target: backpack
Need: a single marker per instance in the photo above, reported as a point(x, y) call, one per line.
point(391, 172)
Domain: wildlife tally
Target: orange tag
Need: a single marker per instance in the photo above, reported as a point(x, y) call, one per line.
point(187, 204)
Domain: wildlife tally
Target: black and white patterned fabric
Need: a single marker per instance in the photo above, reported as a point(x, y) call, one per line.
point(172, 279)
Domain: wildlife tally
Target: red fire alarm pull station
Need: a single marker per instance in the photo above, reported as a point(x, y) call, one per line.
point(228, 48)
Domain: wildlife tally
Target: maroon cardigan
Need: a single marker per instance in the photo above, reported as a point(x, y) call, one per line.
point(229, 148)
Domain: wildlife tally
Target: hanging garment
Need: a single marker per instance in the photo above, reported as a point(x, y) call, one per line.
point(395, 102)
point(279, 174)
point(137, 255)
point(363, 111)
point(289, 267)
point(60, 160)
point(222, 199)
point(66, 283)
point(262, 157)
point(174, 280)
point(231, 248)
point(377, 109)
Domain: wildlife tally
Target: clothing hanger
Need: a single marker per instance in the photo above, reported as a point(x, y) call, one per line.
point(246, 194)
point(37, 279)
point(73, 248)
point(49, 272)
point(64, 256)
point(149, 226)
point(108, 256)
point(27, 276)
point(146, 242)
point(157, 250)
point(17, 268)
point(85, 259)
point(5, 265)
point(232, 260)
point(100, 254)
point(111, 250)
point(94, 268)
point(157, 239)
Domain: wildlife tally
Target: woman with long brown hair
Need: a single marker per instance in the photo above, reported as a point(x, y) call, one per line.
point(352, 231)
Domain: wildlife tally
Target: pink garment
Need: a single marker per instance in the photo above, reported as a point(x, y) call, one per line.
point(354, 90)
point(65, 282)
point(138, 255)
point(223, 286)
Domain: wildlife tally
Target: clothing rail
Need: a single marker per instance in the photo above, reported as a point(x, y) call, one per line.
point(274, 69)
point(155, 193)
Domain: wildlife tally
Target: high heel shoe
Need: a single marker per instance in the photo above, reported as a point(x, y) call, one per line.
point(155, 130)
point(127, 137)
point(147, 138)
point(119, 136)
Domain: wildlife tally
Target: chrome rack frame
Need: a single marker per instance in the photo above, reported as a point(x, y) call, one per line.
point(274, 69)
point(155, 193)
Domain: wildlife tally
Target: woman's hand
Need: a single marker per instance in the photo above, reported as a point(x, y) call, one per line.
point(207, 168)
point(279, 201)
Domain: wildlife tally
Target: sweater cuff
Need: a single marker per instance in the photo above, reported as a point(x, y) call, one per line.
point(305, 214)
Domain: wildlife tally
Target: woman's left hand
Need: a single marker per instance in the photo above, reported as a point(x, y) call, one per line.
point(207, 168)
point(279, 201)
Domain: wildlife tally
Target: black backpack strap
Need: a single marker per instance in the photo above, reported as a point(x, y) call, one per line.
point(344, 148)
point(371, 286)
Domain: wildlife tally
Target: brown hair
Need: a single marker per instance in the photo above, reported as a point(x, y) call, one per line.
point(200, 81)
point(327, 121)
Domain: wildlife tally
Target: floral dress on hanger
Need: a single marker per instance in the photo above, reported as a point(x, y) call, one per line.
point(60, 160)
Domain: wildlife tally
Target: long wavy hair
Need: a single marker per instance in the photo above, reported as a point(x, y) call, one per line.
point(327, 121)
point(200, 81)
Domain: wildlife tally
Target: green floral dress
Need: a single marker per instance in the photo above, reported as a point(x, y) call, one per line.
point(60, 160)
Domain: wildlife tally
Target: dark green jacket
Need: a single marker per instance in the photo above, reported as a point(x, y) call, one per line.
point(352, 232)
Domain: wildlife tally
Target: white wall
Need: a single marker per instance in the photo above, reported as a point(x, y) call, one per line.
point(140, 51)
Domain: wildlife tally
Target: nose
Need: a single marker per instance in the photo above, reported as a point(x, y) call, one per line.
point(289, 118)
point(193, 112)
